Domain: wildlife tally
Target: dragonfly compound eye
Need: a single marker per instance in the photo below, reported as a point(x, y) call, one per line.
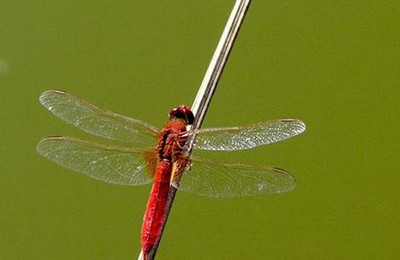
point(182, 112)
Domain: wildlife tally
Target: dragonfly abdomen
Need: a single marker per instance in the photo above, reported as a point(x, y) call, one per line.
point(156, 206)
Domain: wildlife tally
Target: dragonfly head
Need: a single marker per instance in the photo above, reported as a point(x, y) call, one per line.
point(182, 112)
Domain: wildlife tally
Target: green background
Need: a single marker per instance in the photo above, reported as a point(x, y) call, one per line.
point(333, 64)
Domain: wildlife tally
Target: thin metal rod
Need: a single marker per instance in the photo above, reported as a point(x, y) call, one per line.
point(207, 89)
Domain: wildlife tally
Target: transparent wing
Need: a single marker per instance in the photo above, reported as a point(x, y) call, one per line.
point(246, 137)
point(117, 165)
point(227, 180)
point(97, 121)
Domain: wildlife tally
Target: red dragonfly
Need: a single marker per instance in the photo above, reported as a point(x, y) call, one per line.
point(125, 163)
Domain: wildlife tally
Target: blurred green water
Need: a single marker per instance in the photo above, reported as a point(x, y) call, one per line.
point(334, 65)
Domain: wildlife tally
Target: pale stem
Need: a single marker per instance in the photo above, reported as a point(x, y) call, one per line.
point(207, 89)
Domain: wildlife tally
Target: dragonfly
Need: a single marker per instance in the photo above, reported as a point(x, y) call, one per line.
point(124, 156)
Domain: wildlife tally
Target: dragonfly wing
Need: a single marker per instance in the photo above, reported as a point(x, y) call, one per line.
point(246, 137)
point(227, 180)
point(117, 165)
point(97, 121)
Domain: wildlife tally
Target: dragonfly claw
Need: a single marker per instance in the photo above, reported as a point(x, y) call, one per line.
point(175, 184)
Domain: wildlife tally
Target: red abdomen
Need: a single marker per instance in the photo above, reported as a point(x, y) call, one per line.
point(156, 206)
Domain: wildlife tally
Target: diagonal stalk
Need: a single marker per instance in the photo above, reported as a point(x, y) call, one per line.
point(206, 91)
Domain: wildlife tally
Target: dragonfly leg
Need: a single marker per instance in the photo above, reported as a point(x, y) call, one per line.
point(178, 167)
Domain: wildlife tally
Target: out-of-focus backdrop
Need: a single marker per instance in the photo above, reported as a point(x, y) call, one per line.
point(333, 64)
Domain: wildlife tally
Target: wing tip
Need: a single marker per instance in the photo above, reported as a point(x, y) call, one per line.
point(291, 181)
point(53, 91)
point(298, 125)
point(44, 97)
point(41, 147)
point(302, 124)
